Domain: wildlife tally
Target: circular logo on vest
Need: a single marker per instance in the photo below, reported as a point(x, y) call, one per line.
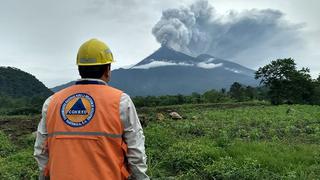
point(77, 110)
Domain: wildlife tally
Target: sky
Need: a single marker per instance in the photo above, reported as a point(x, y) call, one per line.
point(42, 37)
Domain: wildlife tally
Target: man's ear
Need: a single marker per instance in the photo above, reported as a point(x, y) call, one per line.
point(107, 73)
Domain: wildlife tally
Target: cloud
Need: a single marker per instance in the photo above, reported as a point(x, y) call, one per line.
point(233, 70)
point(154, 64)
point(208, 65)
point(199, 29)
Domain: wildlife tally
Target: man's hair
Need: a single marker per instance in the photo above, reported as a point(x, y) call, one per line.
point(93, 71)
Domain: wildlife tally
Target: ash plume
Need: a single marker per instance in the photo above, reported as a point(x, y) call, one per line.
point(199, 29)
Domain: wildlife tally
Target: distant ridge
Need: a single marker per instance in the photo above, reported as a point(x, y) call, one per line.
point(62, 86)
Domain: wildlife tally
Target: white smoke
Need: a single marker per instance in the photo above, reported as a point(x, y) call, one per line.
point(179, 27)
point(199, 29)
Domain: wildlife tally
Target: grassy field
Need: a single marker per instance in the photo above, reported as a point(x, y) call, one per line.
point(217, 141)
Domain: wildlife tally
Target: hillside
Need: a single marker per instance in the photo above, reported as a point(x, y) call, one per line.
point(58, 88)
point(17, 84)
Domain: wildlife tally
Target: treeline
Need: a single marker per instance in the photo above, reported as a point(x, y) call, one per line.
point(21, 106)
point(237, 93)
point(280, 83)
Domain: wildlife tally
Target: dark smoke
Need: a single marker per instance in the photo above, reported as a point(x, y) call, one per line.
point(199, 29)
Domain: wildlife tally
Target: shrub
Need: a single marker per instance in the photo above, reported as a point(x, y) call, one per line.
point(6, 148)
point(19, 166)
point(187, 156)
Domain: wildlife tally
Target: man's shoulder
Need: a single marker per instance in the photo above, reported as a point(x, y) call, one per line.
point(46, 103)
point(125, 97)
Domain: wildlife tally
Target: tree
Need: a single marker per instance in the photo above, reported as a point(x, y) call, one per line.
point(214, 96)
point(316, 91)
point(286, 84)
point(237, 91)
point(180, 99)
point(223, 90)
point(250, 93)
point(196, 98)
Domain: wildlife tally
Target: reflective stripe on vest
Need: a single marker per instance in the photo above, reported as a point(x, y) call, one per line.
point(85, 133)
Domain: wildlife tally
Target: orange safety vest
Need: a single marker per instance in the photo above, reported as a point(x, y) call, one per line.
point(85, 134)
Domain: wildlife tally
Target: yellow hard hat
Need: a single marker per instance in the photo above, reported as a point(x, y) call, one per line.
point(94, 52)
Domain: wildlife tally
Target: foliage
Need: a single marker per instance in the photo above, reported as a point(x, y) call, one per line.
point(245, 93)
point(6, 146)
point(16, 161)
point(214, 96)
point(17, 83)
point(21, 106)
point(20, 165)
point(286, 83)
point(316, 91)
point(20, 92)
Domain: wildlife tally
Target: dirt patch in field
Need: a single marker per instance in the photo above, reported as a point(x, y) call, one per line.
point(16, 126)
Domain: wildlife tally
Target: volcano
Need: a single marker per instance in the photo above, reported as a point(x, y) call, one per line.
point(169, 72)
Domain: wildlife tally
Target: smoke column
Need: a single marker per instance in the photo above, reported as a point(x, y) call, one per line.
point(199, 29)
